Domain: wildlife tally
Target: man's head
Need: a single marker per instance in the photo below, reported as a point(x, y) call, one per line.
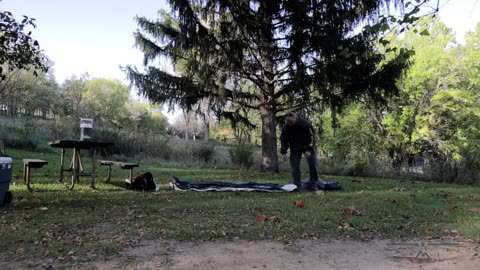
point(291, 119)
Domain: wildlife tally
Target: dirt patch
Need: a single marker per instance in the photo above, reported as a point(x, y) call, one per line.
point(302, 254)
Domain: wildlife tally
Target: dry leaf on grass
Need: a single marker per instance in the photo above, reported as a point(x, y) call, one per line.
point(19, 250)
point(343, 225)
point(473, 198)
point(299, 203)
point(352, 211)
point(273, 219)
point(449, 211)
point(474, 210)
point(261, 218)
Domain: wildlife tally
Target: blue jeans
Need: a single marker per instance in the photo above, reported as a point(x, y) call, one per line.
point(295, 157)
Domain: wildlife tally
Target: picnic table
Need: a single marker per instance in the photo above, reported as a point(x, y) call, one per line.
point(76, 164)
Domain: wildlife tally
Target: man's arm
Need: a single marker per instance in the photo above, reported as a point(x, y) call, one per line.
point(309, 140)
point(284, 142)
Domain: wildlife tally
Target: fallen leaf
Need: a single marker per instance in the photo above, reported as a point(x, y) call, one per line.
point(360, 192)
point(343, 225)
point(43, 208)
point(449, 211)
point(351, 210)
point(19, 250)
point(474, 210)
point(90, 209)
point(473, 198)
point(273, 219)
point(450, 195)
point(68, 240)
point(398, 189)
point(261, 218)
point(320, 192)
point(299, 203)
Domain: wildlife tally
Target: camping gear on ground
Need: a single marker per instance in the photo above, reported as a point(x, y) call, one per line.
point(178, 184)
point(142, 181)
point(5, 179)
point(323, 185)
point(181, 185)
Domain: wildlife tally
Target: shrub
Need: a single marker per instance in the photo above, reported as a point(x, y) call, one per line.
point(357, 167)
point(23, 135)
point(203, 151)
point(242, 156)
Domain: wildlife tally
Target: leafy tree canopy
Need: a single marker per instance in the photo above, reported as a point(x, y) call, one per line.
point(18, 50)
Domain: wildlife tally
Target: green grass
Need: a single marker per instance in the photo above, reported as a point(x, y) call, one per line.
point(55, 222)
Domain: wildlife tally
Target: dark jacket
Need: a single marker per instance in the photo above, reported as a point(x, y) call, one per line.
point(299, 137)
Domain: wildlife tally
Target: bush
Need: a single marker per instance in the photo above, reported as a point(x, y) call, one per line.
point(461, 172)
point(63, 128)
point(242, 156)
point(24, 135)
point(203, 151)
point(357, 167)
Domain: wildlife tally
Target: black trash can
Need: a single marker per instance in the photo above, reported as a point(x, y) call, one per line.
point(5, 179)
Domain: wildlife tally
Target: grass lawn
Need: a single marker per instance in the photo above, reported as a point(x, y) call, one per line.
point(54, 221)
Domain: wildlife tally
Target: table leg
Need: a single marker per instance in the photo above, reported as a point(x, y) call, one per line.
point(71, 161)
point(109, 170)
point(62, 161)
point(75, 172)
point(80, 163)
point(25, 172)
point(27, 179)
point(26, 176)
point(93, 168)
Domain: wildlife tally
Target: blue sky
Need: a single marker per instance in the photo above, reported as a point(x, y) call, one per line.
point(96, 36)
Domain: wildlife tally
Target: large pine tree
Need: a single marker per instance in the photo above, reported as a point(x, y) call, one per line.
point(270, 55)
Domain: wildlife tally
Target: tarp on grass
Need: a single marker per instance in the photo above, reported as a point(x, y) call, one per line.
point(180, 185)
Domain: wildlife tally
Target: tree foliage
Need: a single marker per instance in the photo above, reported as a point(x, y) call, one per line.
point(22, 93)
point(435, 116)
point(18, 50)
point(434, 70)
point(290, 55)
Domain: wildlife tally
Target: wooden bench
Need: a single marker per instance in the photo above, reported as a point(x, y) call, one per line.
point(27, 165)
point(123, 165)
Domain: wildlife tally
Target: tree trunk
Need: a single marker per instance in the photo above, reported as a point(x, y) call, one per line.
point(207, 127)
point(269, 139)
point(186, 116)
point(267, 106)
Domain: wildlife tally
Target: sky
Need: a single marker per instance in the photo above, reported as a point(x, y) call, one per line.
point(96, 36)
point(88, 36)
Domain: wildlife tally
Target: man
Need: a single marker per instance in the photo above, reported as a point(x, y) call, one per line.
point(297, 134)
